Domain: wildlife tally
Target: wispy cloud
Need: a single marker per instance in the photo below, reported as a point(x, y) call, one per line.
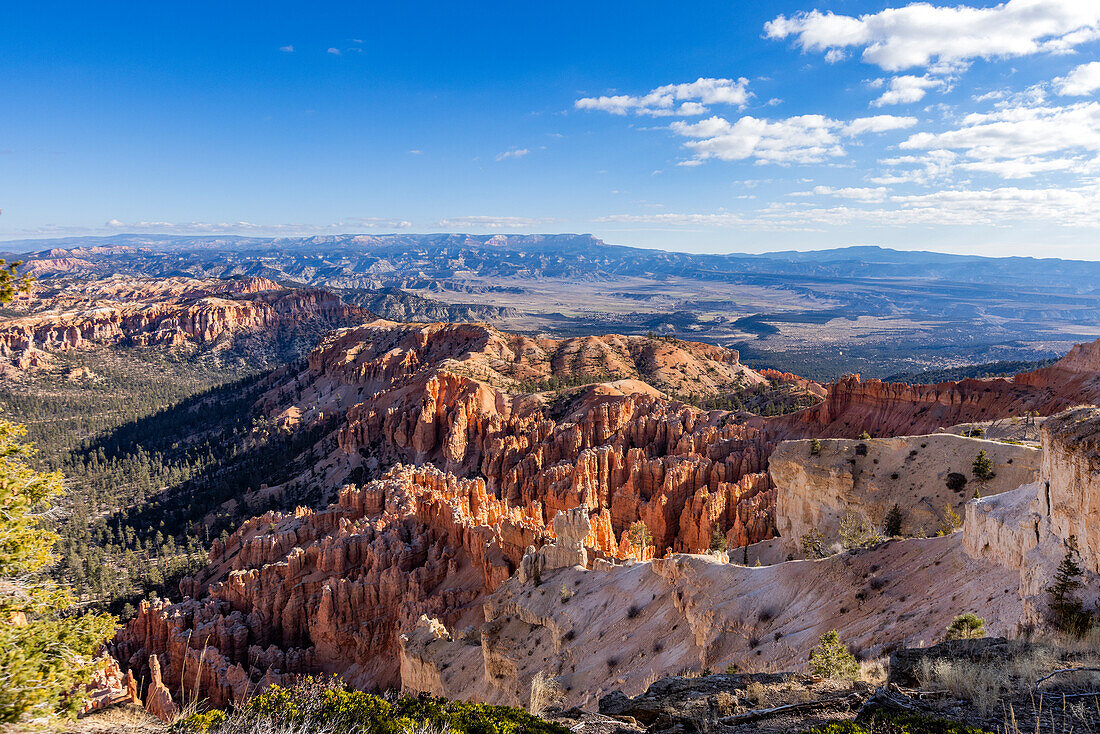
point(334, 51)
point(486, 222)
point(684, 100)
point(287, 49)
point(800, 139)
point(907, 89)
point(513, 153)
point(243, 227)
point(1020, 141)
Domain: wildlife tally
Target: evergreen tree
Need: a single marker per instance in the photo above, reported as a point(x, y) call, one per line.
point(45, 654)
point(967, 626)
point(892, 522)
point(1067, 613)
point(982, 467)
point(832, 659)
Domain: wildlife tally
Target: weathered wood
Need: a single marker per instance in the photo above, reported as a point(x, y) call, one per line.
point(1065, 670)
point(757, 714)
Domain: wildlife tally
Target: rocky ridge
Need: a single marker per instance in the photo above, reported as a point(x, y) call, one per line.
point(335, 590)
point(171, 312)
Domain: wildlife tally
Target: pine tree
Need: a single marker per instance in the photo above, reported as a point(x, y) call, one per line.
point(892, 522)
point(832, 659)
point(1067, 613)
point(982, 467)
point(45, 654)
point(967, 626)
point(815, 447)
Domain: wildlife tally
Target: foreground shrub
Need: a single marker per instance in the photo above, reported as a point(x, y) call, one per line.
point(324, 706)
point(967, 626)
point(882, 722)
point(47, 653)
point(832, 659)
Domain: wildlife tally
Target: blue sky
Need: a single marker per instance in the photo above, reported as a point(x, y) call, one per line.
point(702, 126)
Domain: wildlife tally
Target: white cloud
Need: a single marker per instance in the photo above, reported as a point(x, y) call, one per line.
point(1018, 142)
point(514, 153)
point(942, 37)
point(723, 219)
point(243, 227)
point(907, 89)
point(924, 168)
point(334, 51)
point(848, 192)
point(1082, 80)
point(801, 139)
point(879, 124)
point(287, 49)
point(483, 222)
point(1000, 207)
point(683, 100)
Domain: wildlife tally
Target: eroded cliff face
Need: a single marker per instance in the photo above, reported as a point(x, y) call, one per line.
point(854, 405)
point(922, 475)
point(496, 457)
point(170, 312)
point(1031, 528)
point(619, 627)
point(452, 395)
point(331, 590)
point(328, 591)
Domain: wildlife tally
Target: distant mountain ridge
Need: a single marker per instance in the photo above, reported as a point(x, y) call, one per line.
point(566, 253)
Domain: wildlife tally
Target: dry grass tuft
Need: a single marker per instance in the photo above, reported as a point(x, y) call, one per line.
point(875, 671)
point(546, 693)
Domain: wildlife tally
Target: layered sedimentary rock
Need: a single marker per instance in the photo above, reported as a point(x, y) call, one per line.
point(894, 409)
point(109, 686)
point(329, 591)
point(623, 625)
point(1032, 528)
point(504, 433)
point(863, 480)
point(171, 312)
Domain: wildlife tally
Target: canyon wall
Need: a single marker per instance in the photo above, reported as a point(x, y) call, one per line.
point(922, 475)
point(1031, 528)
point(169, 312)
point(497, 450)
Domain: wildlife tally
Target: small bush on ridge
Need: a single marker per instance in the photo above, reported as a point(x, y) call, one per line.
point(832, 659)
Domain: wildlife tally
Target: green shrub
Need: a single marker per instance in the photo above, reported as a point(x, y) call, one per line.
point(882, 722)
point(46, 653)
point(864, 435)
point(323, 704)
point(813, 544)
point(967, 626)
point(832, 659)
point(815, 447)
point(856, 532)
